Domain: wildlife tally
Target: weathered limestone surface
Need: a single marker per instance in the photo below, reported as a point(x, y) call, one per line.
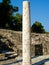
point(39, 60)
point(46, 63)
point(15, 39)
point(9, 40)
point(26, 37)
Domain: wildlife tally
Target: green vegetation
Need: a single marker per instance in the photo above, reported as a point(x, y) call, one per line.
point(7, 18)
point(18, 22)
point(37, 28)
point(6, 14)
point(14, 22)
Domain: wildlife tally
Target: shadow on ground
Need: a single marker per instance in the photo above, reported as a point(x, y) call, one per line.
point(18, 62)
point(41, 62)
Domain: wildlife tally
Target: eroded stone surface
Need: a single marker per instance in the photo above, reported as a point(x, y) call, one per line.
point(26, 40)
point(16, 38)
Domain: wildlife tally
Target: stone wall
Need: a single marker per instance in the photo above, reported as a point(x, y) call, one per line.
point(39, 42)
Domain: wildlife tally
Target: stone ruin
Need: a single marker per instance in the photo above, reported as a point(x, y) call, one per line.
point(39, 42)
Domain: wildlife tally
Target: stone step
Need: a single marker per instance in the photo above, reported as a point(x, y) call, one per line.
point(12, 56)
point(46, 63)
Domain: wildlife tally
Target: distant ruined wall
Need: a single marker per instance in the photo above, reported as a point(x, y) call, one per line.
point(39, 42)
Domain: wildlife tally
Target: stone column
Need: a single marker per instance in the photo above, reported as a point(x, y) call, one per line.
point(26, 39)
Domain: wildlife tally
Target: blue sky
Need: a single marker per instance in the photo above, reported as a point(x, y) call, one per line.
point(39, 10)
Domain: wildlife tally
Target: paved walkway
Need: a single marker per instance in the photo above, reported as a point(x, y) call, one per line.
point(40, 60)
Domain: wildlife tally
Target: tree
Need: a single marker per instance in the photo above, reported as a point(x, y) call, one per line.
point(6, 14)
point(7, 19)
point(17, 24)
point(37, 27)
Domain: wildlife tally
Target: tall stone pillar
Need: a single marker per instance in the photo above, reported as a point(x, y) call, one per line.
point(26, 39)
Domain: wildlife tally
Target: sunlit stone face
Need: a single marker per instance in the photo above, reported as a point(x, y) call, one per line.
point(26, 33)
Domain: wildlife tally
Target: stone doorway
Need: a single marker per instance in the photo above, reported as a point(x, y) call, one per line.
point(38, 50)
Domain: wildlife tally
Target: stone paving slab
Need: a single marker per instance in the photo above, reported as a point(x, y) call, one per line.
point(40, 60)
point(47, 63)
